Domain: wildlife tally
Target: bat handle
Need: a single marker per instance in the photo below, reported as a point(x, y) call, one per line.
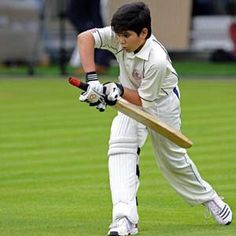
point(78, 83)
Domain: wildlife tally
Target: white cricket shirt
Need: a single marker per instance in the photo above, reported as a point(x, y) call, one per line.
point(149, 71)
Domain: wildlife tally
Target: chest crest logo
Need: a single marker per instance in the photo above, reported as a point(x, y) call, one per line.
point(137, 76)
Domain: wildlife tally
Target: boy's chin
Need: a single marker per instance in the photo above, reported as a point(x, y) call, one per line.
point(128, 49)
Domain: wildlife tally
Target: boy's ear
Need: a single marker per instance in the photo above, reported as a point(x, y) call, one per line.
point(144, 33)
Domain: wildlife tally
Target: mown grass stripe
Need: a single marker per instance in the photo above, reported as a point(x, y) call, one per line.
point(53, 155)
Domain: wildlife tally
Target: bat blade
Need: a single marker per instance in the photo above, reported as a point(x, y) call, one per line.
point(153, 123)
point(143, 117)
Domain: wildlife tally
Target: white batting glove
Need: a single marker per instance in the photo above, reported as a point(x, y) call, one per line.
point(94, 91)
point(112, 92)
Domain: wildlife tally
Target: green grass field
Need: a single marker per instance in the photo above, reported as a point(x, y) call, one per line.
point(53, 171)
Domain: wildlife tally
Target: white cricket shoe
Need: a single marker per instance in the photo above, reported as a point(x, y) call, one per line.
point(122, 227)
point(220, 211)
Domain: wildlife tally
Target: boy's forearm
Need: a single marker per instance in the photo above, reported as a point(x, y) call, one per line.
point(132, 96)
point(86, 43)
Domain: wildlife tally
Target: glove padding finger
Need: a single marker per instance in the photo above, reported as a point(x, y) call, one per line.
point(102, 106)
point(95, 103)
point(112, 92)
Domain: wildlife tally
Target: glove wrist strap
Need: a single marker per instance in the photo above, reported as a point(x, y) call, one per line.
point(91, 76)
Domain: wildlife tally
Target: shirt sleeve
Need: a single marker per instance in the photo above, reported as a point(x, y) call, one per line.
point(151, 84)
point(105, 38)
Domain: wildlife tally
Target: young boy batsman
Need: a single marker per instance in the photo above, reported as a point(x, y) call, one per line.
point(147, 79)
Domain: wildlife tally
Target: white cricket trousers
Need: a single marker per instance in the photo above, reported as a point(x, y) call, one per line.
point(176, 166)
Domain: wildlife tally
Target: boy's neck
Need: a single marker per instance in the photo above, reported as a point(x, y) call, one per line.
point(139, 48)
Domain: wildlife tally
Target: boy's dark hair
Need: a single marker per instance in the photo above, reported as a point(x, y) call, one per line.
point(132, 16)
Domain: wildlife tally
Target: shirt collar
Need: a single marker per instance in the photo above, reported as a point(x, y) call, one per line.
point(145, 50)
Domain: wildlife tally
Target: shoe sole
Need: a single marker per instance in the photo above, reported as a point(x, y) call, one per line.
point(114, 233)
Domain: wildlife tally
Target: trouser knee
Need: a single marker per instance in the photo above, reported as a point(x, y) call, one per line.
point(122, 145)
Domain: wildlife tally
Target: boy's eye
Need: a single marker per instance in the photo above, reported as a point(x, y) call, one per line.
point(126, 34)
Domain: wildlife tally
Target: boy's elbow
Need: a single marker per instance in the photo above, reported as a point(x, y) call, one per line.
point(85, 36)
point(80, 36)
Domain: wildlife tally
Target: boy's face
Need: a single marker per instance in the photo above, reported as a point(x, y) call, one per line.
point(130, 41)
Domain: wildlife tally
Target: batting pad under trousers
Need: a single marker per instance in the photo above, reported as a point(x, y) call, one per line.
point(127, 135)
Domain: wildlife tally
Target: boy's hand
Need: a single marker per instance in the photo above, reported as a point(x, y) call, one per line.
point(94, 91)
point(93, 94)
point(112, 92)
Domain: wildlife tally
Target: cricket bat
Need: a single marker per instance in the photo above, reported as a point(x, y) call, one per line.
point(143, 117)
